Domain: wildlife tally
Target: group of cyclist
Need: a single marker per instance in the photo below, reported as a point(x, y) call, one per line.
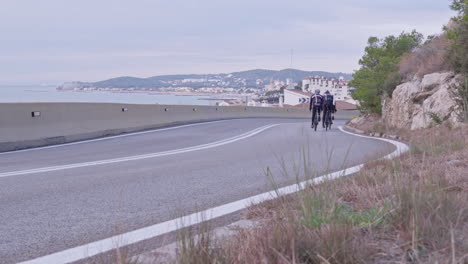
point(320, 102)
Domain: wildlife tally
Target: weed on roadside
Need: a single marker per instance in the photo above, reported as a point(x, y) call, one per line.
point(411, 209)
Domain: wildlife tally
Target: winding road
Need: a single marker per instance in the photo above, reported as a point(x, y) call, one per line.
point(59, 197)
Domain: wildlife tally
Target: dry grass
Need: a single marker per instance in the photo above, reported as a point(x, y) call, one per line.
point(430, 58)
point(408, 210)
point(366, 122)
point(198, 248)
point(372, 124)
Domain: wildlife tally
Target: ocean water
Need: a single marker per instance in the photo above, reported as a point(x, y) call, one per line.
point(50, 94)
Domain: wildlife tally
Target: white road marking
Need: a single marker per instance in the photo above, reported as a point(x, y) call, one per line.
point(140, 157)
point(400, 147)
point(111, 137)
point(97, 247)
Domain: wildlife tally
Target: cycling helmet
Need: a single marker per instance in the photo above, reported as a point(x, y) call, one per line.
point(327, 92)
point(317, 91)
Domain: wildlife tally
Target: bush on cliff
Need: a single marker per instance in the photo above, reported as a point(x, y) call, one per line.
point(381, 60)
point(458, 52)
point(429, 58)
point(458, 34)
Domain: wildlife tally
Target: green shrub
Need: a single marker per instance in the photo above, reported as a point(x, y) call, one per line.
point(379, 67)
point(392, 81)
point(435, 118)
point(461, 97)
point(458, 33)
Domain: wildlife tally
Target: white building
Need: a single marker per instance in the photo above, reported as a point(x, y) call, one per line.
point(338, 88)
point(289, 84)
point(295, 97)
point(269, 87)
point(274, 85)
point(302, 99)
point(193, 80)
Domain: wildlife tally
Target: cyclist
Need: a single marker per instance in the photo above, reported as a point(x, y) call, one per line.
point(328, 104)
point(316, 103)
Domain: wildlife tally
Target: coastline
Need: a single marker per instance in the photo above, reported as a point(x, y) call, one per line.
point(212, 96)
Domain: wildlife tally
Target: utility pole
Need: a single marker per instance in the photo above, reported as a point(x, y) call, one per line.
point(290, 71)
point(292, 52)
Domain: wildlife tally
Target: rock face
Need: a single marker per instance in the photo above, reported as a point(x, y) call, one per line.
point(422, 103)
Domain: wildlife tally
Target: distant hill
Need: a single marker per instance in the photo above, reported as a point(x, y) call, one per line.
point(296, 75)
point(244, 79)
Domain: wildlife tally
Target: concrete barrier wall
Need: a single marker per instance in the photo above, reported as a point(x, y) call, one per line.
point(66, 122)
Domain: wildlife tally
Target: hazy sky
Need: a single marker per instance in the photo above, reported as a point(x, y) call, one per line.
point(52, 41)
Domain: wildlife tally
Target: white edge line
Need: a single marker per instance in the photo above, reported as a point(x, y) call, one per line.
point(104, 245)
point(111, 137)
point(400, 147)
point(140, 157)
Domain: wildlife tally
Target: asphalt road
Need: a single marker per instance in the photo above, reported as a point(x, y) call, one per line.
point(56, 198)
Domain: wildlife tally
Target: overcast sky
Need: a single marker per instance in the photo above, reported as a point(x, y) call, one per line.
point(52, 41)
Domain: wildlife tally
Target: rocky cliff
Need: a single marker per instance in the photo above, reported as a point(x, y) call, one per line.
point(421, 103)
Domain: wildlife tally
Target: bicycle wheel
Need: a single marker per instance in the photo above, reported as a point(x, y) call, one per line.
point(326, 120)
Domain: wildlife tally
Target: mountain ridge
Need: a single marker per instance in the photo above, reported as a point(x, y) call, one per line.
point(255, 78)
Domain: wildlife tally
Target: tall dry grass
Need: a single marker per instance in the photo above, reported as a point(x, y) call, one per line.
point(430, 58)
point(409, 210)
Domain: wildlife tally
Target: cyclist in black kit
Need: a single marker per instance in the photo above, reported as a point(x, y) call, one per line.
point(316, 104)
point(328, 104)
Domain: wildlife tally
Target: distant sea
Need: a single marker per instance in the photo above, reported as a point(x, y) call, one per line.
point(50, 94)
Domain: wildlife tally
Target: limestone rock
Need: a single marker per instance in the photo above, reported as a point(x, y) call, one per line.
point(420, 103)
point(397, 111)
point(433, 80)
point(420, 97)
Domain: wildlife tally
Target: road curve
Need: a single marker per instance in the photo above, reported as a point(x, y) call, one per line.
point(210, 164)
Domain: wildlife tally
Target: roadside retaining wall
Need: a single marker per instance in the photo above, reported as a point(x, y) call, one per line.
point(25, 125)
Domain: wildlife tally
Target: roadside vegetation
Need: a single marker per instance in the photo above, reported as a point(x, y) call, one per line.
point(457, 33)
point(458, 52)
point(411, 209)
point(393, 60)
point(379, 68)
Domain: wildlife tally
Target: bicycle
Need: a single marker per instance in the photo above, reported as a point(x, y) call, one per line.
point(315, 121)
point(327, 120)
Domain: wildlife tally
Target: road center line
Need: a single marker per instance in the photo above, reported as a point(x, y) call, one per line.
point(104, 245)
point(140, 157)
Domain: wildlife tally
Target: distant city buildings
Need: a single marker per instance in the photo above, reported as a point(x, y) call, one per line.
point(265, 91)
point(338, 87)
point(274, 85)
